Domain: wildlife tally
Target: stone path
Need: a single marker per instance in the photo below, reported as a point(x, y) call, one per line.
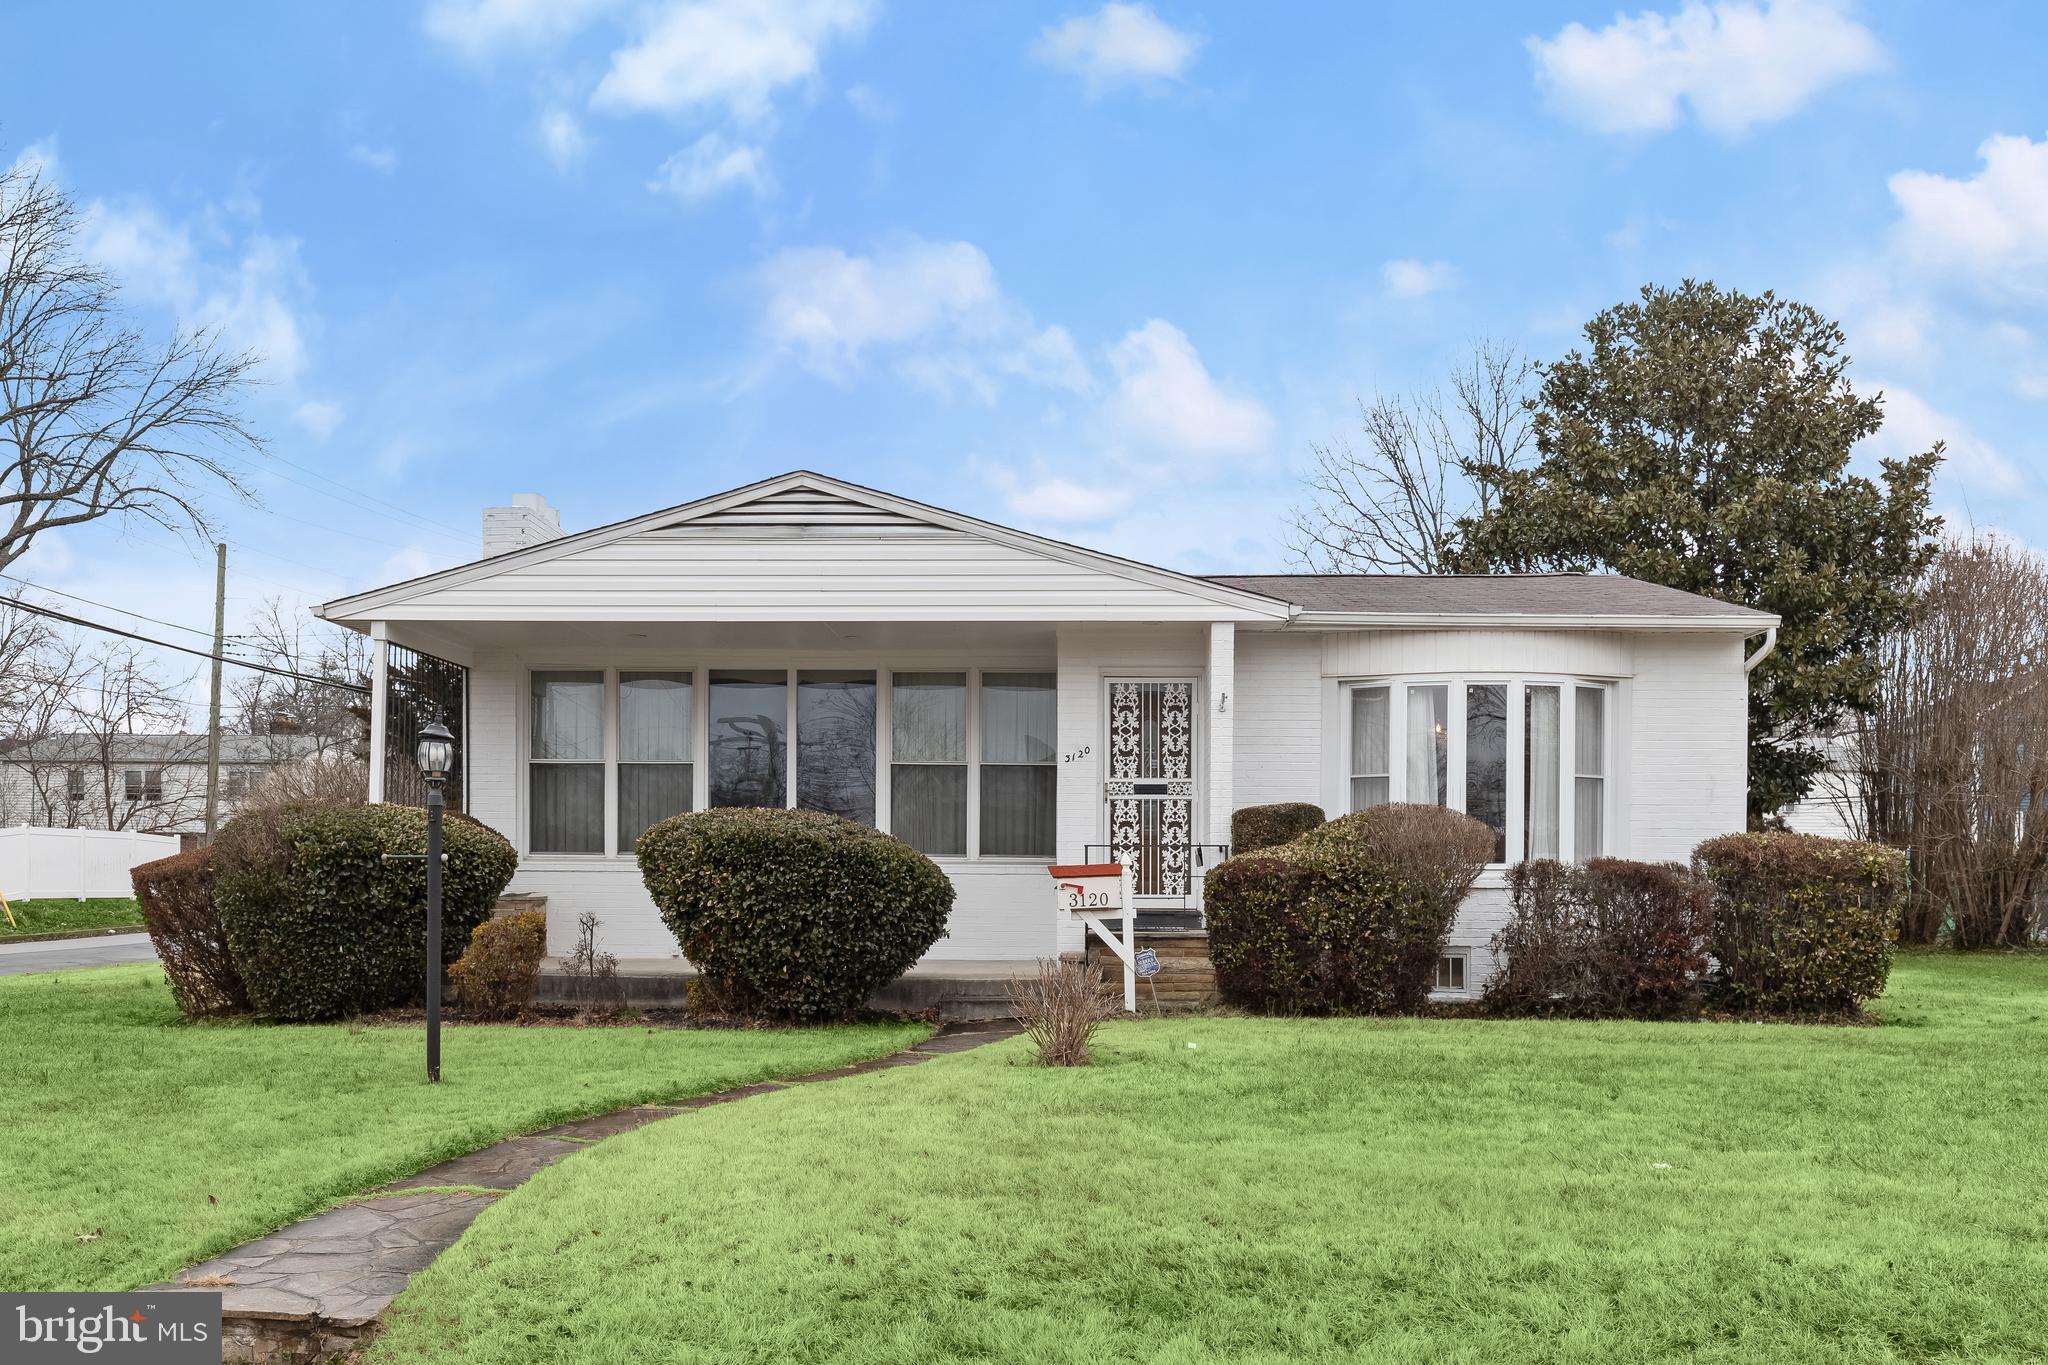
point(319, 1287)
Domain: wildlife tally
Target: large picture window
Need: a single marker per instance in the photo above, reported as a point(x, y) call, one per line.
point(1526, 757)
point(835, 743)
point(749, 748)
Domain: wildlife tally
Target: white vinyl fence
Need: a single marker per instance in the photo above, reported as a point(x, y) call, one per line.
point(53, 864)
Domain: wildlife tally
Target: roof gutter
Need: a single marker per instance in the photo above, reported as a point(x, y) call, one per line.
point(1770, 643)
point(1450, 620)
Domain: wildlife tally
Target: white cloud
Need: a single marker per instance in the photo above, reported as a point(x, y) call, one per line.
point(318, 417)
point(1166, 402)
point(1990, 230)
point(829, 306)
point(253, 301)
point(1064, 500)
point(382, 160)
point(711, 165)
point(38, 159)
point(1050, 358)
point(1118, 44)
point(1413, 279)
point(1735, 64)
point(730, 53)
point(1912, 425)
point(561, 137)
point(476, 27)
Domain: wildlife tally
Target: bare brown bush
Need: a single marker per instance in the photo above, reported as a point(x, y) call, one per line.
point(1060, 1010)
point(1952, 762)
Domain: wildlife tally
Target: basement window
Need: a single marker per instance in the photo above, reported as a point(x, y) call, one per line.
point(1450, 972)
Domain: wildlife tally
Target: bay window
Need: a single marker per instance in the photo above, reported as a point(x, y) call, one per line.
point(1526, 757)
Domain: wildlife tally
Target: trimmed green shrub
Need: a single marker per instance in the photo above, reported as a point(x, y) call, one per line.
point(1349, 918)
point(321, 926)
point(793, 914)
point(497, 973)
point(1257, 827)
point(176, 896)
point(1802, 923)
point(1605, 939)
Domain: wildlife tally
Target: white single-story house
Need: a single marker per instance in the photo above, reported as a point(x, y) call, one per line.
point(1003, 701)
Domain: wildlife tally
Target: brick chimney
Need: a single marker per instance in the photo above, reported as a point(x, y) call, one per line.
point(528, 521)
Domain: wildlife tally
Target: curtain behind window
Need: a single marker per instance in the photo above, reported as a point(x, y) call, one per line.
point(565, 809)
point(1371, 775)
point(928, 777)
point(1589, 744)
point(654, 751)
point(1542, 780)
point(1429, 741)
point(1019, 740)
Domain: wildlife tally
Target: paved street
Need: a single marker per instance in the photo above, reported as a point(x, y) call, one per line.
point(16, 958)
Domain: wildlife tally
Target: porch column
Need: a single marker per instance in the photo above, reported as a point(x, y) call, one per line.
point(380, 707)
point(1222, 728)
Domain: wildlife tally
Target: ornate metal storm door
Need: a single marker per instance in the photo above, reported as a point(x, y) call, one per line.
point(1151, 784)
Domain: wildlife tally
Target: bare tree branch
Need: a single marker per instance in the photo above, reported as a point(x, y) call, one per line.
point(94, 420)
point(1429, 460)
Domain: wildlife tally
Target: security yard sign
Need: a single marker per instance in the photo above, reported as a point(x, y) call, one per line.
point(1089, 891)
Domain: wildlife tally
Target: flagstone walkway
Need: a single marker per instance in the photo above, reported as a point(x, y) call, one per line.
point(320, 1286)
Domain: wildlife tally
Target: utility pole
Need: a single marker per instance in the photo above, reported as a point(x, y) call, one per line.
point(220, 639)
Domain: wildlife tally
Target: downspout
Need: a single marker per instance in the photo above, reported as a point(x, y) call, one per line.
point(1770, 643)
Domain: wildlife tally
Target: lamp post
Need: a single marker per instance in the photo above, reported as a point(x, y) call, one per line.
point(436, 756)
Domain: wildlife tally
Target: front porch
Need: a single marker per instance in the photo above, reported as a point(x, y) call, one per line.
point(995, 748)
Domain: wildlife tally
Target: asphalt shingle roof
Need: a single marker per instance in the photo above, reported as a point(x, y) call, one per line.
point(1560, 594)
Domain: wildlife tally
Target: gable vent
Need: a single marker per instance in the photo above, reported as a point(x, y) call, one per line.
point(805, 511)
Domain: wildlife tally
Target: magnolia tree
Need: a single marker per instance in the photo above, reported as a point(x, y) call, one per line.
point(1951, 764)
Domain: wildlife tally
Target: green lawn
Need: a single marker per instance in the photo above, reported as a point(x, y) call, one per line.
point(1400, 1191)
point(52, 917)
point(133, 1143)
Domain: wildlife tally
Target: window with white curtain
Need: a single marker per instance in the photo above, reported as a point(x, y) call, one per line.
point(655, 749)
point(1527, 757)
point(565, 771)
point(928, 762)
point(1589, 765)
point(1371, 780)
point(1019, 739)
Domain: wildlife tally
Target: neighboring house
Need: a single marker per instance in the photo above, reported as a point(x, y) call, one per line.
point(148, 783)
point(1001, 701)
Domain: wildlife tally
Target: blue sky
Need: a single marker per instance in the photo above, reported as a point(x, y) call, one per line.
point(1103, 272)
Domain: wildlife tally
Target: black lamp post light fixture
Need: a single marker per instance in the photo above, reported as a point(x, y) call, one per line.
point(436, 757)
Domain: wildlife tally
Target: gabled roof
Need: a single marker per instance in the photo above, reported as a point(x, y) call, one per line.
point(799, 501)
point(1508, 598)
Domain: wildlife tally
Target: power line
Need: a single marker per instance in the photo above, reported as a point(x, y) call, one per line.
point(185, 649)
point(107, 606)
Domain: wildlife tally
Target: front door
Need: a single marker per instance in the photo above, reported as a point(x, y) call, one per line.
point(1151, 783)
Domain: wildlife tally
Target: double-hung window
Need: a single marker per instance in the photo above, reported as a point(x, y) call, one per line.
point(565, 775)
point(655, 771)
point(1527, 757)
point(1018, 742)
point(928, 768)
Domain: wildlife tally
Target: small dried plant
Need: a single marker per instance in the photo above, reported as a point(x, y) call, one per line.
point(593, 976)
point(1060, 1010)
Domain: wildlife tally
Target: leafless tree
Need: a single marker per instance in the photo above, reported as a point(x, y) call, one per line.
point(327, 721)
point(1428, 457)
point(99, 742)
point(1952, 764)
point(95, 420)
